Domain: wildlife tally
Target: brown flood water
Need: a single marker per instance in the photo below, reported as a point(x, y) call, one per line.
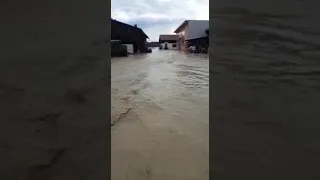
point(160, 116)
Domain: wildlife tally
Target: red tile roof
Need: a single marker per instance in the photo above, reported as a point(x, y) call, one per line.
point(168, 37)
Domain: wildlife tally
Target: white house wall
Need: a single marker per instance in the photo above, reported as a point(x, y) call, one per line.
point(197, 28)
point(170, 45)
point(130, 48)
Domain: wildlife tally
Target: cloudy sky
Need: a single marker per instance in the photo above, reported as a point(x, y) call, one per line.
point(159, 16)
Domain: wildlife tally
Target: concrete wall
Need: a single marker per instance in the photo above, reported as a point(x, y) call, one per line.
point(183, 34)
point(54, 75)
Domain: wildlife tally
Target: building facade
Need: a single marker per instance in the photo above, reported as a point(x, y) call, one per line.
point(168, 41)
point(191, 31)
point(131, 36)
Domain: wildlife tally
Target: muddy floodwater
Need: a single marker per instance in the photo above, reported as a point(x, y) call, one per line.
point(160, 116)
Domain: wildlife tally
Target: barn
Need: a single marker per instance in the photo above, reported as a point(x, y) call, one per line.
point(131, 36)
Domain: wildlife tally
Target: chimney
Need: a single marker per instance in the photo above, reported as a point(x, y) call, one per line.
point(135, 25)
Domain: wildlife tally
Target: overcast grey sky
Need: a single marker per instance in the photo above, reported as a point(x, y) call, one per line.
point(159, 16)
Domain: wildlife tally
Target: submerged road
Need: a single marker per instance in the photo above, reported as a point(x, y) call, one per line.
point(160, 116)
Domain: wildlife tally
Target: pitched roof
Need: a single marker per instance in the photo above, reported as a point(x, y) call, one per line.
point(184, 23)
point(136, 29)
point(168, 37)
point(181, 25)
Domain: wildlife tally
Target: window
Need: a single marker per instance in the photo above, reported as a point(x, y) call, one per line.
point(174, 45)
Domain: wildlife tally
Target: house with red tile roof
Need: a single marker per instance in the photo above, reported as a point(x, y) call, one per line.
point(168, 41)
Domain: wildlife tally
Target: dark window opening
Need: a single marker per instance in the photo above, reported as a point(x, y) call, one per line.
point(174, 45)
